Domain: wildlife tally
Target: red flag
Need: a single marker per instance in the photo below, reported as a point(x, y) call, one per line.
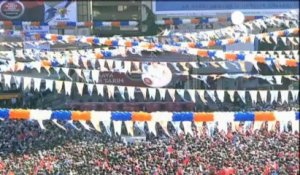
point(186, 161)
point(170, 149)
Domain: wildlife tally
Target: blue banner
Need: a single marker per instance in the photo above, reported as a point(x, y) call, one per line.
point(212, 6)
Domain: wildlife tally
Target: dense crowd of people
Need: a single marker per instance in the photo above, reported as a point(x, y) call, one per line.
point(27, 149)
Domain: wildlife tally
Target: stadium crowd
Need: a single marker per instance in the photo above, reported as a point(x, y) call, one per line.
point(27, 149)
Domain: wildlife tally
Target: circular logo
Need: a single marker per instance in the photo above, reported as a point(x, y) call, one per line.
point(156, 75)
point(12, 9)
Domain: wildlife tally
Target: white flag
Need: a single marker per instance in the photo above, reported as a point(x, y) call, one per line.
point(231, 95)
point(117, 127)
point(68, 87)
point(100, 89)
point(130, 91)
point(192, 94)
point(202, 96)
point(162, 93)
point(110, 91)
point(253, 95)
point(37, 83)
point(211, 94)
point(95, 76)
point(26, 83)
point(263, 95)
point(284, 96)
point(49, 85)
point(221, 95)
point(80, 87)
point(274, 96)
point(242, 94)
point(90, 88)
point(172, 94)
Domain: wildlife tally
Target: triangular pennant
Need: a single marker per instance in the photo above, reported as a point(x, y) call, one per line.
point(274, 96)
point(102, 65)
point(278, 79)
point(72, 125)
point(86, 74)
point(140, 126)
point(57, 69)
point(7, 79)
point(66, 72)
point(284, 96)
point(68, 87)
point(274, 38)
point(162, 93)
point(107, 127)
point(127, 66)
point(85, 126)
point(90, 88)
point(181, 93)
point(187, 127)
point(242, 95)
point(93, 63)
point(152, 127)
point(283, 39)
point(95, 76)
point(295, 94)
point(253, 95)
point(110, 64)
point(130, 91)
point(59, 125)
point(80, 87)
point(19, 79)
point(291, 39)
point(231, 95)
point(110, 91)
point(172, 94)
point(176, 125)
point(78, 72)
point(152, 93)
point(211, 94)
point(221, 94)
point(164, 125)
point(100, 89)
point(26, 83)
point(263, 95)
point(49, 84)
point(129, 127)
point(202, 96)
point(144, 92)
point(37, 83)
point(117, 127)
point(192, 94)
point(122, 91)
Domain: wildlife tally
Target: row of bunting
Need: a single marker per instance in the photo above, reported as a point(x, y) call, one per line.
point(116, 23)
point(289, 17)
point(78, 59)
point(149, 43)
point(35, 83)
point(213, 120)
point(90, 54)
point(93, 75)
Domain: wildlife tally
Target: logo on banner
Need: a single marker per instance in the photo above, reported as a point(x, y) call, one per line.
point(12, 9)
point(156, 75)
point(63, 12)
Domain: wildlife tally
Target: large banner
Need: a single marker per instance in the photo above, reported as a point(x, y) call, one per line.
point(38, 10)
point(214, 7)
